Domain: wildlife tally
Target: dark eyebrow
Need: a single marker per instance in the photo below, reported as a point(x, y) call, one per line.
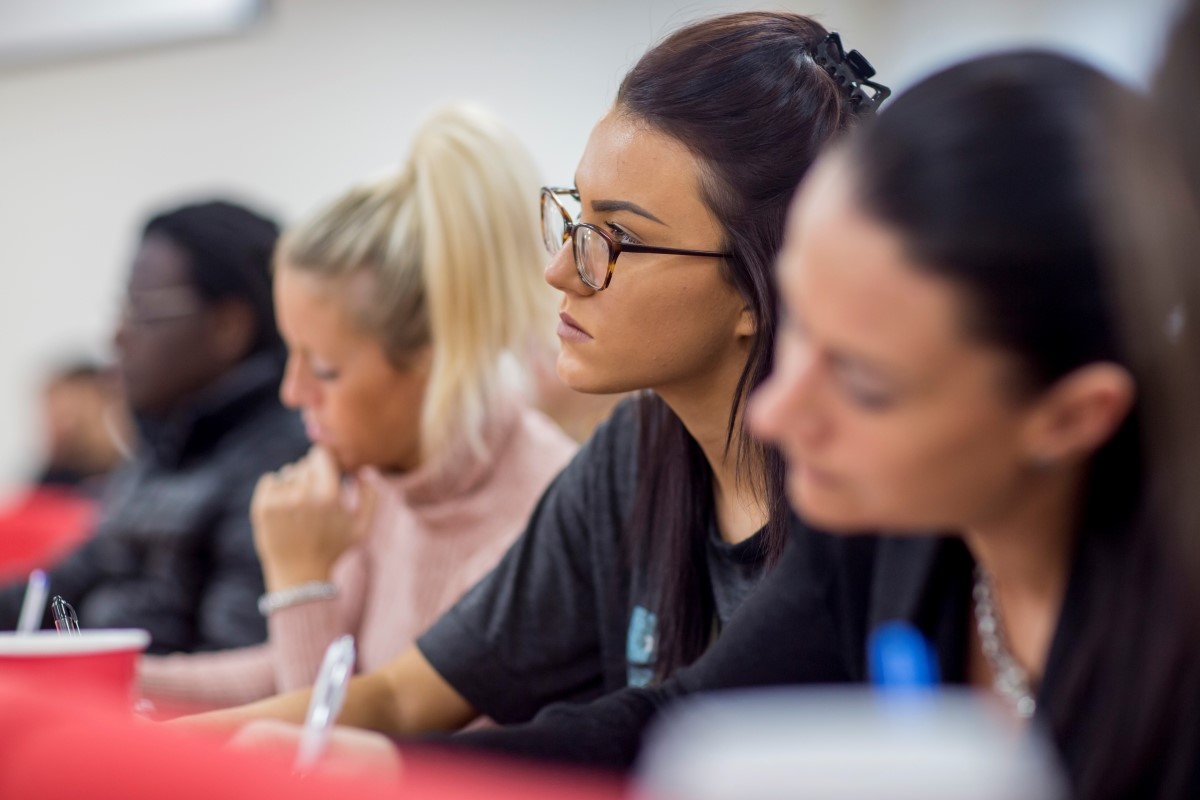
point(625, 205)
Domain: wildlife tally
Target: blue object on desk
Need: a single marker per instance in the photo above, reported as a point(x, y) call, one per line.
point(899, 658)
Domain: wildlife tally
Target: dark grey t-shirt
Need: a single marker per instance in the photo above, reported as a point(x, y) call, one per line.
point(560, 617)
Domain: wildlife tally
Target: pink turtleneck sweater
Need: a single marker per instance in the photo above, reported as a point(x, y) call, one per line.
point(433, 537)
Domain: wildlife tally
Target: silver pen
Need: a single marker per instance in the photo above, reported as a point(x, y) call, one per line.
point(34, 605)
point(329, 692)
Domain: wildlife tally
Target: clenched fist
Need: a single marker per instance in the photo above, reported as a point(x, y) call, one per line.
point(306, 516)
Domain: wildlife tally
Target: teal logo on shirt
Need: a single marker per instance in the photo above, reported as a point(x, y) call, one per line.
point(639, 647)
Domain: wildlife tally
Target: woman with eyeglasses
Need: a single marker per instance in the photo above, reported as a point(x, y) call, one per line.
point(648, 542)
point(399, 303)
point(982, 356)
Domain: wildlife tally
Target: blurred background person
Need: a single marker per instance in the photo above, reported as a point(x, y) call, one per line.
point(87, 430)
point(86, 433)
point(200, 361)
point(400, 303)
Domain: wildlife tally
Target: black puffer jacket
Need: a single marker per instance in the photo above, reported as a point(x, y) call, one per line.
point(173, 552)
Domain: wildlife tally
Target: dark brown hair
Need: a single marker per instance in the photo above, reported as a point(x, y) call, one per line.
point(1023, 179)
point(743, 94)
point(1176, 90)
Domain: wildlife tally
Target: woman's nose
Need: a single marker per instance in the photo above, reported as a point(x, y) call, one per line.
point(289, 388)
point(562, 274)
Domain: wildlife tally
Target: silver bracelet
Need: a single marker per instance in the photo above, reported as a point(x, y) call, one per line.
point(295, 595)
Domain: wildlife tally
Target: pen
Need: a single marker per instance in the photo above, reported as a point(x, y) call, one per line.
point(66, 621)
point(34, 605)
point(326, 703)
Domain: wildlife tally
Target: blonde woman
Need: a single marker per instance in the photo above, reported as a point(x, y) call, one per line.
point(400, 303)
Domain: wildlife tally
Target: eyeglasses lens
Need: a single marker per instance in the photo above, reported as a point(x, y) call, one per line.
point(591, 256)
point(553, 225)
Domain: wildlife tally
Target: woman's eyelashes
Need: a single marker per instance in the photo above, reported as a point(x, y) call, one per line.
point(620, 234)
point(322, 372)
point(865, 391)
point(861, 387)
point(869, 398)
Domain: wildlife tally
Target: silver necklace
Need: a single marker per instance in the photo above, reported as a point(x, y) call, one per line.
point(1010, 680)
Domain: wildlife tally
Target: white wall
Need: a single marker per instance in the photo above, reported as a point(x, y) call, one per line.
point(326, 91)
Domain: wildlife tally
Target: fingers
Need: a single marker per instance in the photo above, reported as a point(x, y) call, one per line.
point(358, 753)
point(284, 476)
point(322, 474)
point(314, 477)
point(265, 492)
point(266, 733)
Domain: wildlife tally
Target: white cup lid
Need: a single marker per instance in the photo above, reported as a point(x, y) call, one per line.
point(845, 743)
point(52, 643)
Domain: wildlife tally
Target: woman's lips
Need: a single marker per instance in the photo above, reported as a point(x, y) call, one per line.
point(569, 330)
point(817, 477)
point(314, 432)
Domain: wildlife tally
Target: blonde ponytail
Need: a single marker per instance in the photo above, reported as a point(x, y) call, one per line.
point(453, 243)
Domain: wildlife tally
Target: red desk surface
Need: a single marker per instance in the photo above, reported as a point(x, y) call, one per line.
point(57, 743)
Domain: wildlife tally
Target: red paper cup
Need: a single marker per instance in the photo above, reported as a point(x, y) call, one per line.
point(102, 662)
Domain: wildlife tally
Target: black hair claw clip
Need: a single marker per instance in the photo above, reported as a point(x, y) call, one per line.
point(853, 74)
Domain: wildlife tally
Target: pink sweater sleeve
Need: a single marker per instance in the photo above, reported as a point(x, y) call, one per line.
point(297, 638)
point(197, 681)
point(299, 634)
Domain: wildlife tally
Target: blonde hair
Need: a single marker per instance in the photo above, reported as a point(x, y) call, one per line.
point(452, 241)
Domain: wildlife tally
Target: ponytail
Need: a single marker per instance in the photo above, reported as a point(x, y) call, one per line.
point(451, 241)
point(475, 191)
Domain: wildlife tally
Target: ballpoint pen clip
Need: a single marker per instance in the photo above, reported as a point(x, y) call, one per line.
point(66, 621)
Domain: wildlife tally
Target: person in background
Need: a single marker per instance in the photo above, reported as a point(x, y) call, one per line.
point(85, 432)
point(87, 427)
point(978, 360)
point(401, 302)
point(200, 361)
point(644, 546)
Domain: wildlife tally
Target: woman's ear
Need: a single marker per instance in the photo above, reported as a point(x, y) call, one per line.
point(1079, 413)
point(747, 324)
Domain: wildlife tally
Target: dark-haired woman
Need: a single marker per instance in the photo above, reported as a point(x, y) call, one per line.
point(644, 546)
point(977, 344)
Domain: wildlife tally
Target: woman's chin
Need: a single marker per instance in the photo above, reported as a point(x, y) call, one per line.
point(585, 381)
point(818, 509)
point(346, 463)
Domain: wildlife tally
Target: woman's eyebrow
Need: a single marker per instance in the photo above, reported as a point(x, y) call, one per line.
point(625, 205)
